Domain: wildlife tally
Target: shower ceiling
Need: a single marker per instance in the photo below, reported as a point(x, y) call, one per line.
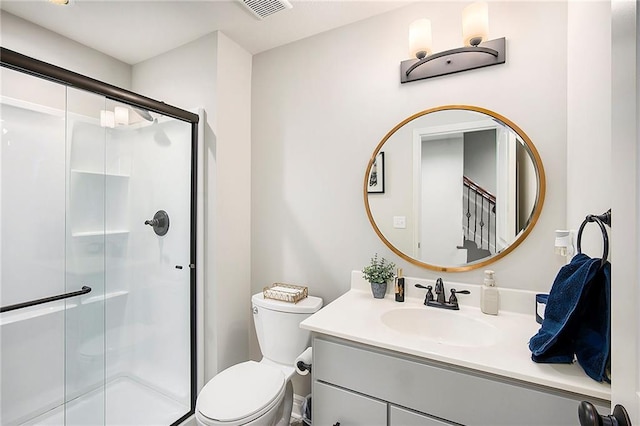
point(133, 31)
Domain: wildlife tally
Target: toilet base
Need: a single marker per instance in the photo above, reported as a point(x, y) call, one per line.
point(284, 411)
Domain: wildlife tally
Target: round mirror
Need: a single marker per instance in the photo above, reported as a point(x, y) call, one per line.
point(454, 188)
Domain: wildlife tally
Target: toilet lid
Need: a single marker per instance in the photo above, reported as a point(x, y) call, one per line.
point(240, 392)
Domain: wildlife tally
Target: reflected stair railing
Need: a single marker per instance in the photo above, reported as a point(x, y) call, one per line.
point(479, 221)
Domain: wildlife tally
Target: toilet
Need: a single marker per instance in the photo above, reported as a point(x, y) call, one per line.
point(260, 393)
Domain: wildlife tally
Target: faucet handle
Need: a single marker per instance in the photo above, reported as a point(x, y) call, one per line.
point(429, 296)
point(453, 299)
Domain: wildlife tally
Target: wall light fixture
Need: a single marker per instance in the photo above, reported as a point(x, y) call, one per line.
point(477, 52)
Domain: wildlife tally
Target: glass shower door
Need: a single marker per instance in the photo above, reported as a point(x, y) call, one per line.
point(32, 249)
point(86, 251)
point(129, 344)
point(149, 169)
point(162, 192)
point(94, 194)
point(148, 326)
point(129, 202)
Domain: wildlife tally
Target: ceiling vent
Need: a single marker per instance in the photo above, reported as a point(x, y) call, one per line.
point(263, 8)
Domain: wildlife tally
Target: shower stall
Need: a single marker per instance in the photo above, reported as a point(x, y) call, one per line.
point(97, 227)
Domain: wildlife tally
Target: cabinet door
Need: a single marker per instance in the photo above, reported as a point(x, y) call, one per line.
point(332, 405)
point(401, 417)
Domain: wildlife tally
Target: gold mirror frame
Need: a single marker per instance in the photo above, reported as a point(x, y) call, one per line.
point(541, 180)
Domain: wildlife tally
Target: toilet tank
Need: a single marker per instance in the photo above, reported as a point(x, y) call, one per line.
point(278, 326)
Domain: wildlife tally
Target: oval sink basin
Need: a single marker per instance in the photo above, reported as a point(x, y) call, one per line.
point(443, 327)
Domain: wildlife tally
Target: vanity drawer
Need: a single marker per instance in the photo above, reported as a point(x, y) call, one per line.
point(346, 408)
point(447, 392)
point(400, 417)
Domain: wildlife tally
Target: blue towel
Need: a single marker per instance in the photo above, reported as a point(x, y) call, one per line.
point(577, 318)
point(593, 341)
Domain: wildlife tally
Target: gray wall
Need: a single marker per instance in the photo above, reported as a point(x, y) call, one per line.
point(320, 106)
point(480, 158)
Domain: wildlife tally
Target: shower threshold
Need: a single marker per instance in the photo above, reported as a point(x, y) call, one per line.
point(129, 403)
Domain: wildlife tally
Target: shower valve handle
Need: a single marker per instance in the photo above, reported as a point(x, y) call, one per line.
point(160, 222)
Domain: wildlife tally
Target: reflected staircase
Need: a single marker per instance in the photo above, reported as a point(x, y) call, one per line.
point(478, 221)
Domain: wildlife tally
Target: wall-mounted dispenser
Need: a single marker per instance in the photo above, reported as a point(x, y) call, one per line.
point(564, 245)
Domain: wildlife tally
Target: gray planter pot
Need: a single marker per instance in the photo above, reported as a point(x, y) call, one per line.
point(379, 290)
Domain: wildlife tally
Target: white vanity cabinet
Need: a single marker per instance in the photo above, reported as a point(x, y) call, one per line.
point(356, 384)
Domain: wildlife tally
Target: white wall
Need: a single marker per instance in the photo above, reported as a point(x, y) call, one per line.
point(213, 72)
point(589, 174)
point(441, 228)
point(31, 40)
point(480, 158)
point(625, 139)
point(397, 199)
point(320, 106)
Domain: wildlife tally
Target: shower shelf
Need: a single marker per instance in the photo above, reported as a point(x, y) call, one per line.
point(98, 200)
point(36, 312)
point(100, 233)
point(101, 298)
point(111, 175)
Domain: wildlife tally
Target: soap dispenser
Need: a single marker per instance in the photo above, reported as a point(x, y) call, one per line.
point(399, 286)
point(489, 294)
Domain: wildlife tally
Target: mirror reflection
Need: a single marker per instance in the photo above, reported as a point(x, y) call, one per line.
point(462, 187)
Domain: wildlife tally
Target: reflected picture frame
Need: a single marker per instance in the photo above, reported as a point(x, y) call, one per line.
point(376, 175)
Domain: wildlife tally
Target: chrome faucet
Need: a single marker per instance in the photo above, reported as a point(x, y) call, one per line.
point(439, 301)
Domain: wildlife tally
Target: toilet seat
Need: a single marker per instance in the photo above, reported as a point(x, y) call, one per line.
point(240, 394)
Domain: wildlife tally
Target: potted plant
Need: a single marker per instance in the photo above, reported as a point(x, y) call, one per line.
point(378, 273)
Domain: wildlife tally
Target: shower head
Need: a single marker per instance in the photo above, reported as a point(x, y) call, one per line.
point(143, 113)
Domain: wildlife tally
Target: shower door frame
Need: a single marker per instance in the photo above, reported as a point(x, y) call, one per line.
point(25, 64)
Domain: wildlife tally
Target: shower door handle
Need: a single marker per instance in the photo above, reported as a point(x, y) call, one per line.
point(8, 308)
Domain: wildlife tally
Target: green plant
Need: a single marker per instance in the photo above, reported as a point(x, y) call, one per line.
point(379, 271)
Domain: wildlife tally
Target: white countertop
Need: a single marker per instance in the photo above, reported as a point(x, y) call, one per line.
point(356, 316)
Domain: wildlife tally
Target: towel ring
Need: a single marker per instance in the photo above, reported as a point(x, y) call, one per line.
point(600, 220)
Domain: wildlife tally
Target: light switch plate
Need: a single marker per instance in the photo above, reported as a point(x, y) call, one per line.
point(400, 222)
